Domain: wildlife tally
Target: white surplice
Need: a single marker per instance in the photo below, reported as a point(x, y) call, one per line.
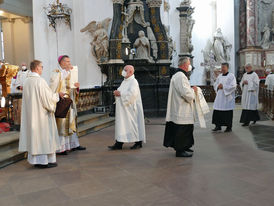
point(180, 106)
point(129, 115)
point(269, 82)
point(38, 133)
point(225, 98)
point(201, 107)
point(250, 91)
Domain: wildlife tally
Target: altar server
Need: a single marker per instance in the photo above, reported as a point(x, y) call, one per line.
point(180, 112)
point(60, 81)
point(269, 81)
point(224, 103)
point(38, 134)
point(250, 96)
point(129, 115)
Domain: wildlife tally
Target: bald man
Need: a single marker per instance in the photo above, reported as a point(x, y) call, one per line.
point(129, 117)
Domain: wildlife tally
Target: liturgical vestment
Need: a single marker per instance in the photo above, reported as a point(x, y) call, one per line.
point(60, 82)
point(129, 120)
point(224, 102)
point(180, 114)
point(38, 133)
point(250, 97)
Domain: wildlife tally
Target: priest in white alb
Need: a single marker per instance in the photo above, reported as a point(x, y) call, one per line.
point(250, 96)
point(180, 114)
point(224, 103)
point(38, 133)
point(129, 115)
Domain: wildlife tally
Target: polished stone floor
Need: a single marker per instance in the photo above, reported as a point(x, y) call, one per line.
point(227, 169)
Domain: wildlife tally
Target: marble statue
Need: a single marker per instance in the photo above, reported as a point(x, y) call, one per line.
point(153, 41)
point(221, 47)
point(135, 11)
point(265, 42)
point(99, 44)
point(142, 46)
point(125, 25)
point(190, 24)
point(215, 53)
point(170, 43)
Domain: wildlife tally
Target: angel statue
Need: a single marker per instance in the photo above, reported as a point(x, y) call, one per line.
point(99, 43)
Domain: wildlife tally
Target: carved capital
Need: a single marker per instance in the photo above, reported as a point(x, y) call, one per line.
point(118, 1)
point(154, 3)
point(26, 19)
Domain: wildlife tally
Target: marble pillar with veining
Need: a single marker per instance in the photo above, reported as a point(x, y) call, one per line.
point(251, 23)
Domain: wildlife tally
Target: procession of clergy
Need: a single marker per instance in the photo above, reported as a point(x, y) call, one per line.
point(43, 135)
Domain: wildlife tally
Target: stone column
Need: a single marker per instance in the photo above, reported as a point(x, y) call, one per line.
point(158, 28)
point(272, 26)
point(251, 23)
point(186, 26)
point(242, 25)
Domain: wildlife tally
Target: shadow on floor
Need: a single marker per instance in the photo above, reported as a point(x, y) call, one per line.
point(263, 136)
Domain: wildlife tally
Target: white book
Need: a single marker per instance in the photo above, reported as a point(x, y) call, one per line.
point(73, 77)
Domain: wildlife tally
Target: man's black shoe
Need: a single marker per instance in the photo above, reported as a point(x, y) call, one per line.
point(50, 165)
point(62, 153)
point(79, 148)
point(189, 150)
point(217, 129)
point(41, 166)
point(116, 146)
point(137, 145)
point(228, 129)
point(245, 124)
point(183, 154)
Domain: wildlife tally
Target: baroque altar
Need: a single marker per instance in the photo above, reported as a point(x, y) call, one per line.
point(256, 35)
point(139, 38)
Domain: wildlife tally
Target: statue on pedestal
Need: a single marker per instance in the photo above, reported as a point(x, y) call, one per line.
point(221, 47)
point(215, 53)
point(142, 46)
point(99, 43)
point(170, 43)
point(265, 42)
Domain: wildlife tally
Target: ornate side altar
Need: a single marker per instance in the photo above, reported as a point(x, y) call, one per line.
point(256, 35)
point(7, 72)
point(139, 38)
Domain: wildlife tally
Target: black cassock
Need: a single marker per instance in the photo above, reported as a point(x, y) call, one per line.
point(179, 136)
point(249, 115)
point(222, 118)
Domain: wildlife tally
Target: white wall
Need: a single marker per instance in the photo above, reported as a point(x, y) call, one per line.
point(70, 42)
point(18, 41)
point(77, 44)
point(207, 19)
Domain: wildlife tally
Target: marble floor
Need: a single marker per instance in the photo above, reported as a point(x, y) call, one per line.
point(227, 169)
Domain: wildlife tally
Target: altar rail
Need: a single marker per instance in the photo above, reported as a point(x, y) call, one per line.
point(267, 100)
point(209, 93)
point(88, 99)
